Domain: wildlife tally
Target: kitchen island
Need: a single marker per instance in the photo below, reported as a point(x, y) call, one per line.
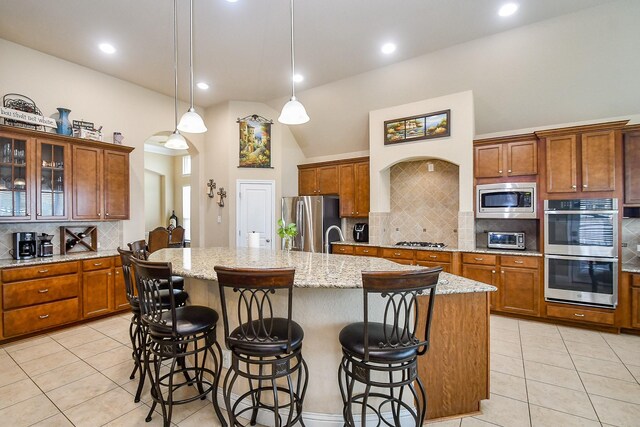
point(328, 295)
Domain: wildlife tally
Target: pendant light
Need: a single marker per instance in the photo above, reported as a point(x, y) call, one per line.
point(293, 112)
point(176, 141)
point(191, 122)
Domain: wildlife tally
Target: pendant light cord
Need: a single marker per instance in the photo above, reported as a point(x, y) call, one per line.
point(293, 60)
point(191, 51)
point(175, 61)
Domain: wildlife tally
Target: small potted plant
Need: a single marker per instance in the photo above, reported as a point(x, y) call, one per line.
point(287, 232)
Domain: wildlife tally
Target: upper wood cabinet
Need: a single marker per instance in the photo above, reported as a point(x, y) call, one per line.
point(16, 180)
point(354, 190)
point(317, 180)
point(116, 184)
point(506, 157)
point(632, 165)
point(53, 177)
point(581, 159)
point(87, 183)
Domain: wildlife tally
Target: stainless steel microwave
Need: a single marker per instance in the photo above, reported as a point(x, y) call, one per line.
point(506, 200)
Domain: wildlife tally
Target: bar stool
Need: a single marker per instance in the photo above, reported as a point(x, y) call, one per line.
point(176, 333)
point(139, 249)
point(264, 348)
point(137, 330)
point(385, 354)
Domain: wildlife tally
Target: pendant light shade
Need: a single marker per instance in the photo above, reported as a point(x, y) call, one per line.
point(191, 122)
point(293, 112)
point(176, 142)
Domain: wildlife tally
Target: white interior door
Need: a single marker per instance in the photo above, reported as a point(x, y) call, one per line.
point(255, 212)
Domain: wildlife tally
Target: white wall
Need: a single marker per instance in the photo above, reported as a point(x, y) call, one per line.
point(575, 67)
point(163, 166)
point(92, 96)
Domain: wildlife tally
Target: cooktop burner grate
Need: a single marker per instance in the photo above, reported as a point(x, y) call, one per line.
point(422, 244)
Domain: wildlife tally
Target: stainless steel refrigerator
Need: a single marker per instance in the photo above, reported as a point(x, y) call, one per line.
point(312, 215)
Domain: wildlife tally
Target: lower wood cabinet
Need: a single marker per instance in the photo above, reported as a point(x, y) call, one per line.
point(581, 314)
point(635, 307)
point(485, 274)
point(41, 297)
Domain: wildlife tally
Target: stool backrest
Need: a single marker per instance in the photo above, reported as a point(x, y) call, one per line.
point(151, 277)
point(400, 290)
point(125, 258)
point(255, 309)
point(158, 239)
point(139, 249)
point(177, 237)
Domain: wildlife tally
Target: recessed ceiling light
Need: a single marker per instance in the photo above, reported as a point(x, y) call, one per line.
point(232, 1)
point(203, 86)
point(508, 9)
point(107, 48)
point(298, 78)
point(388, 48)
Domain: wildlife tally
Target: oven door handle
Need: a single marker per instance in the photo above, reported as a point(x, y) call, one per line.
point(581, 212)
point(613, 260)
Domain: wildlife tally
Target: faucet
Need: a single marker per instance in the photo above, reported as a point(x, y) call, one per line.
point(326, 237)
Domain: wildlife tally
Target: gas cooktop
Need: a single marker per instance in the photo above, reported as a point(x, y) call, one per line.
point(422, 244)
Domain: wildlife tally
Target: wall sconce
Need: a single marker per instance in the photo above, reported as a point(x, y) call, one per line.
point(212, 186)
point(221, 195)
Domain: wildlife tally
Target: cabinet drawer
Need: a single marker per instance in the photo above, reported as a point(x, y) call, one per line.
point(397, 253)
point(446, 267)
point(580, 314)
point(483, 259)
point(38, 317)
point(635, 280)
point(519, 261)
point(366, 250)
point(342, 249)
point(20, 294)
point(97, 264)
point(38, 271)
point(433, 256)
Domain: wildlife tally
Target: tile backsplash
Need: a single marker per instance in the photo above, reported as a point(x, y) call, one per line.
point(424, 203)
point(527, 226)
point(630, 236)
point(109, 234)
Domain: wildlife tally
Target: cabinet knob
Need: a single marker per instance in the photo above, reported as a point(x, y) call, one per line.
point(396, 253)
point(366, 251)
point(98, 213)
point(509, 171)
point(578, 314)
point(518, 262)
point(107, 214)
point(584, 185)
point(43, 271)
point(493, 272)
point(500, 171)
point(573, 186)
point(478, 259)
point(502, 271)
point(43, 291)
point(433, 256)
point(357, 213)
point(43, 316)
point(109, 274)
point(97, 264)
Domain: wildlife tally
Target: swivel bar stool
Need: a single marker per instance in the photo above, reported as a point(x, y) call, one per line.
point(137, 330)
point(176, 333)
point(385, 354)
point(266, 350)
point(139, 249)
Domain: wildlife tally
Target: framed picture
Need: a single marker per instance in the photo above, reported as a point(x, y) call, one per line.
point(424, 126)
point(255, 142)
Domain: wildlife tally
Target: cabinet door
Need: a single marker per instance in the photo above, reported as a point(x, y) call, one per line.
point(116, 185)
point(635, 307)
point(484, 274)
point(52, 180)
point(347, 190)
point(488, 161)
point(522, 158)
point(327, 179)
point(561, 164)
point(97, 292)
point(520, 290)
point(120, 300)
point(445, 267)
point(87, 183)
point(631, 165)
point(362, 189)
point(307, 182)
point(598, 161)
point(16, 159)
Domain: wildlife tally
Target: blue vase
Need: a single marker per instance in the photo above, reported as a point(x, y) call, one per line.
point(64, 125)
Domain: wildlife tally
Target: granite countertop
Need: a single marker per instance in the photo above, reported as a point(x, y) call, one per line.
point(447, 249)
point(632, 266)
point(75, 256)
point(313, 270)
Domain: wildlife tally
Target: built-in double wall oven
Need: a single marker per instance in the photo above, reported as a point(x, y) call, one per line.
point(581, 251)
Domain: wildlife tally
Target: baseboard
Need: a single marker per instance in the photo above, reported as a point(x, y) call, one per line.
point(318, 419)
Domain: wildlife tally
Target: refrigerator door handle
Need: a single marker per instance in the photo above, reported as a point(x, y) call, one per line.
point(300, 223)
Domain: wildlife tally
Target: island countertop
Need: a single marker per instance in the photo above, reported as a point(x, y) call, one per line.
point(313, 270)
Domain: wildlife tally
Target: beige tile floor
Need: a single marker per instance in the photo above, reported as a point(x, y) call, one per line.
point(541, 375)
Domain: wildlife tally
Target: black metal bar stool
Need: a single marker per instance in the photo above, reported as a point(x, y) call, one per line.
point(139, 249)
point(137, 329)
point(176, 333)
point(265, 350)
point(384, 354)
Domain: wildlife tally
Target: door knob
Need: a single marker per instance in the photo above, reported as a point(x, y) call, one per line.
point(267, 240)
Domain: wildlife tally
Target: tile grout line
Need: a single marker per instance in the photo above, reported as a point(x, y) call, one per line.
point(524, 370)
point(621, 361)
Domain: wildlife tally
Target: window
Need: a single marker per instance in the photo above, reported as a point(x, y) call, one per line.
point(186, 165)
point(186, 209)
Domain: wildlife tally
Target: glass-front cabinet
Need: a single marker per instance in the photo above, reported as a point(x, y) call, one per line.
point(15, 169)
point(52, 164)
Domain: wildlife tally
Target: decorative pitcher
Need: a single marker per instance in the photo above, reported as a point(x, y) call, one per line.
point(64, 125)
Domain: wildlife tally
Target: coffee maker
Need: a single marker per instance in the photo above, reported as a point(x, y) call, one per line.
point(24, 245)
point(45, 247)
